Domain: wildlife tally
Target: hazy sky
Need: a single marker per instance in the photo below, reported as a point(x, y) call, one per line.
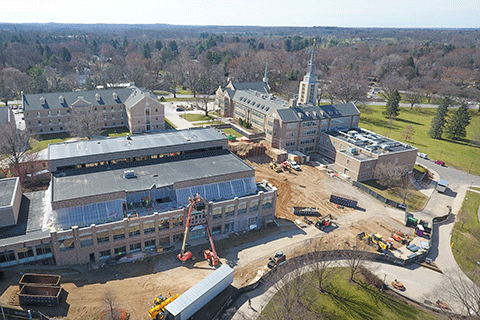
point(341, 13)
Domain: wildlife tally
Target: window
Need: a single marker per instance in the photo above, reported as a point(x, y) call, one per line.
point(217, 213)
point(163, 224)
point(307, 149)
point(150, 244)
point(86, 240)
point(309, 132)
point(291, 126)
point(149, 227)
point(102, 236)
point(269, 131)
point(121, 251)
point(217, 229)
point(253, 205)
point(270, 123)
point(25, 254)
point(368, 165)
point(291, 134)
point(309, 124)
point(134, 230)
point(229, 227)
point(267, 203)
point(105, 254)
point(177, 221)
point(308, 141)
point(135, 247)
point(43, 250)
point(118, 233)
point(66, 243)
point(242, 208)
point(230, 210)
point(7, 258)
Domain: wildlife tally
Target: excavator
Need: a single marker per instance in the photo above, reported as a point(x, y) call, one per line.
point(211, 254)
point(198, 204)
point(324, 222)
point(157, 312)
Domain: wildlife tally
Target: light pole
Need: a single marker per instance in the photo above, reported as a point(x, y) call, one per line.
point(384, 284)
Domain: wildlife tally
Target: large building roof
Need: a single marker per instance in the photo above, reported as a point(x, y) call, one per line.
point(160, 174)
point(7, 190)
point(59, 100)
point(317, 112)
point(259, 86)
point(5, 115)
point(138, 143)
point(262, 102)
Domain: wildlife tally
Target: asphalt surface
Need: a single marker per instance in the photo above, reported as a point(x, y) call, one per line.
point(422, 285)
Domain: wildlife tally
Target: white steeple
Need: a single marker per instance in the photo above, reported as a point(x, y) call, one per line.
point(308, 89)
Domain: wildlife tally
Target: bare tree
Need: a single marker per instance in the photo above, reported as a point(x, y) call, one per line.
point(201, 102)
point(14, 144)
point(348, 85)
point(321, 259)
point(412, 97)
point(84, 122)
point(408, 132)
point(405, 187)
point(388, 174)
point(110, 301)
point(354, 256)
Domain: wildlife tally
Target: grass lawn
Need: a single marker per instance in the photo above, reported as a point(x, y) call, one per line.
point(232, 132)
point(178, 99)
point(448, 150)
point(192, 117)
point(183, 91)
point(416, 201)
point(345, 301)
point(115, 132)
point(466, 235)
point(161, 93)
point(42, 142)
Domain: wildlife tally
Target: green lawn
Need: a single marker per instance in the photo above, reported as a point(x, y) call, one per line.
point(115, 132)
point(416, 201)
point(161, 93)
point(346, 300)
point(466, 235)
point(192, 117)
point(371, 118)
point(42, 142)
point(183, 91)
point(179, 99)
point(232, 132)
point(169, 125)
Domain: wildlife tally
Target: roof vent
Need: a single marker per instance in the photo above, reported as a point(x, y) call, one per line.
point(128, 136)
point(129, 174)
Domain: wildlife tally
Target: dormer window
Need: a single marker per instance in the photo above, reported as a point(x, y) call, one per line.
point(42, 101)
point(61, 99)
point(97, 97)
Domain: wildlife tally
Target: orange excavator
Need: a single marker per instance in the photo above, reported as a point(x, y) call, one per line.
point(211, 254)
point(198, 204)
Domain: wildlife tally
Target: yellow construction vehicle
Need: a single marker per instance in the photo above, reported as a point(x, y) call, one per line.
point(158, 311)
point(376, 240)
point(276, 167)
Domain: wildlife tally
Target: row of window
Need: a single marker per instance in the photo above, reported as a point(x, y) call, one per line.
point(309, 124)
point(25, 254)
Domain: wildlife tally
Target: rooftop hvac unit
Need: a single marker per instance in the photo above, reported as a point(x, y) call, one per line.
point(129, 174)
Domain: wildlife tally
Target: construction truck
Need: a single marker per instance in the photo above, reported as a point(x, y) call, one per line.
point(158, 310)
point(199, 204)
point(277, 259)
point(210, 254)
point(324, 222)
point(275, 167)
point(376, 240)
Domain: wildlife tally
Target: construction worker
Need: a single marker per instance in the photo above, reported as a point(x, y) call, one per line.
point(250, 303)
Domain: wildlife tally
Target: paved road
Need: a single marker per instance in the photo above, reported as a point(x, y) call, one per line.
point(421, 283)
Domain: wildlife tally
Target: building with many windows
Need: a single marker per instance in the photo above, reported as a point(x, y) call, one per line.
point(118, 196)
point(303, 125)
point(129, 107)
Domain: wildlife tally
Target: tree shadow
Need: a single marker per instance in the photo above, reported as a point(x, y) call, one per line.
point(381, 123)
point(410, 122)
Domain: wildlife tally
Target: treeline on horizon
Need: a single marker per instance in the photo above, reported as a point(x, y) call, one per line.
point(50, 57)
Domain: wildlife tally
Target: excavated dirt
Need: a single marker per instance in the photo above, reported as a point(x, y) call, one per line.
point(134, 285)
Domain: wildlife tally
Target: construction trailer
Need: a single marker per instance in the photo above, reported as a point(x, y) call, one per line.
point(48, 296)
point(199, 295)
point(442, 185)
point(33, 279)
point(343, 200)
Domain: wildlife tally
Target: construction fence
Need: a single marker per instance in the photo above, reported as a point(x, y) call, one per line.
point(378, 196)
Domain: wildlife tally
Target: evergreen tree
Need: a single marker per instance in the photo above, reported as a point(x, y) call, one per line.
point(392, 108)
point(438, 122)
point(456, 126)
point(65, 55)
point(147, 52)
point(158, 45)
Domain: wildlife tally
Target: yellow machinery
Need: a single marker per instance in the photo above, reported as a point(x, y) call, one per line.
point(376, 240)
point(275, 166)
point(158, 311)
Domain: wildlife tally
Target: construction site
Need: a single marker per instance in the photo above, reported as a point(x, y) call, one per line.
point(247, 252)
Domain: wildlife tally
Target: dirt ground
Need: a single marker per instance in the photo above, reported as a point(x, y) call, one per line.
point(135, 284)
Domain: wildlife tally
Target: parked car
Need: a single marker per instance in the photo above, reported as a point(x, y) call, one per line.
point(180, 109)
point(422, 155)
point(440, 162)
point(294, 165)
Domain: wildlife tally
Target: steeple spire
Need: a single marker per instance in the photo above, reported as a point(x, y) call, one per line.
point(265, 77)
point(311, 64)
point(307, 92)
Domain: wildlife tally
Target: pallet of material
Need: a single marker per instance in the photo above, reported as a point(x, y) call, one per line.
point(343, 200)
point(33, 279)
point(37, 295)
point(306, 211)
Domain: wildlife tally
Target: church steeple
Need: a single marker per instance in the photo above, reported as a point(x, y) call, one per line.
point(265, 77)
point(307, 92)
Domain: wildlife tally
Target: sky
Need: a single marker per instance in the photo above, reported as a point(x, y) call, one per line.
point(306, 13)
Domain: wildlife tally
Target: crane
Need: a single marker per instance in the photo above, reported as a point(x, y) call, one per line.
point(199, 204)
point(211, 254)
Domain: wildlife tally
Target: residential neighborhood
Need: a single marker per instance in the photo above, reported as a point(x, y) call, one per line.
point(168, 171)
